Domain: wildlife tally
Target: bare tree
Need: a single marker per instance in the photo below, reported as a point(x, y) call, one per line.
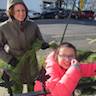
point(59, 3)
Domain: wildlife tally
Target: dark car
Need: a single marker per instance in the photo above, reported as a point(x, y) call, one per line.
point(49, 13)
point(55, 13)
point(3, 15)
point(64, 13)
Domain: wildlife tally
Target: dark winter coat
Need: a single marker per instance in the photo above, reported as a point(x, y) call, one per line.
point(20, 39)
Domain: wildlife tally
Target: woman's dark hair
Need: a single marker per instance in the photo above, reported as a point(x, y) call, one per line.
point(10, 12)
point(65, 44)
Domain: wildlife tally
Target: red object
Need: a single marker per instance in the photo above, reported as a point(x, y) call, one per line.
point(86, 14)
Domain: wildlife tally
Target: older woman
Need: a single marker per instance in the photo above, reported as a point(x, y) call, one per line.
point(17, 38)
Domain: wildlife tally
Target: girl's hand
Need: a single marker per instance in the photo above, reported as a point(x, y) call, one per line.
point(74, 62)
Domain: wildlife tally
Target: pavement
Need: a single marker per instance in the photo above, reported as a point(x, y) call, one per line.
point(79, 32)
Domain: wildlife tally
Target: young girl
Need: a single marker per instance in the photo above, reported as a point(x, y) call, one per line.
point(65, 71)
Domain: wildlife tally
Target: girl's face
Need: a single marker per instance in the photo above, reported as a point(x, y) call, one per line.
point(65, 55)
point(19, 12)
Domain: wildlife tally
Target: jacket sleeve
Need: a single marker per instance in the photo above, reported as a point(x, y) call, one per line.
point(66, 85)
point(38, 33)
point(3, 55)
point(88, 70)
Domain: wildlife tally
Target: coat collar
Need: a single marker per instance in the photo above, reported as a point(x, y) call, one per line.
point(17, 23)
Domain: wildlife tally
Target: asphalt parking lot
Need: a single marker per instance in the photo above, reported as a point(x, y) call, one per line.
point(79, 32)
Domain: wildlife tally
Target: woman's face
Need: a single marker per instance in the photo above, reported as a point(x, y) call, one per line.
point(65, 55)
point(19, 12)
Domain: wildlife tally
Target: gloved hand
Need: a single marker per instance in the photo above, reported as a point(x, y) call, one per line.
point(5, 76)
point(44, 45)
point(13, 62)
point(53, 44)
point(42, 77)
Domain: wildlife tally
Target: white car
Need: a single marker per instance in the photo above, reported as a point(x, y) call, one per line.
point(33, 14)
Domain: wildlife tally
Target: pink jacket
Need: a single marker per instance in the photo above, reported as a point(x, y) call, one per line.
point(63, 82)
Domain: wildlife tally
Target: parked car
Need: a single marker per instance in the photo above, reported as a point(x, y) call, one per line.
point(77, 14)
point(50, 13)
point(86, 14)
point(64, 13)
point(3, 15)
point(33, 14)
point(55, 13)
